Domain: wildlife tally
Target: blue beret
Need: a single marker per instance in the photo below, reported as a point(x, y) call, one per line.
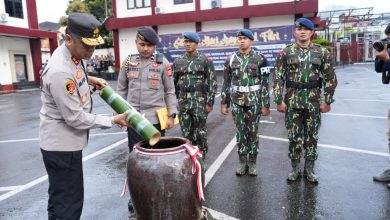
point(147, 34)
point(245, 32)
point(192, 36)
point(304, 22)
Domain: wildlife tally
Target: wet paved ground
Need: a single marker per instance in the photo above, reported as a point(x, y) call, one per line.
point(352, 148)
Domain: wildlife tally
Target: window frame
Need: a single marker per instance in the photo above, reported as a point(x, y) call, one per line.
point(135, 4)
point(179, 2)
point(11, 3)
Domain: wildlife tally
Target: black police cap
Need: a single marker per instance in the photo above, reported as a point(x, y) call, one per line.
point(86, 27)
point(148, 34)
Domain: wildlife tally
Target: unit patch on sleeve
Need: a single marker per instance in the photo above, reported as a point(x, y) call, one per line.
point(70, 87)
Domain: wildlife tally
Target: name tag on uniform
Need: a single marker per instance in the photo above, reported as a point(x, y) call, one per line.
point(132, 75)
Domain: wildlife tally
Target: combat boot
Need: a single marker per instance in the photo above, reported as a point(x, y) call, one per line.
point(252, 165)
point(383, 177)
point(243, 167)
point(296, 172)
point(309, 171)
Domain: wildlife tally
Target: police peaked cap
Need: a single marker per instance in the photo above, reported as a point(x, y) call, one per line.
point(387, 31)
point(148, 34)
point(304, 22)
point(245, 32)
point(192, 36)
point(86, 27)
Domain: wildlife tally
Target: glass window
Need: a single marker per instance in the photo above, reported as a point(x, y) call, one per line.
point(138, 4)
point(14, 8)
point(182, 1)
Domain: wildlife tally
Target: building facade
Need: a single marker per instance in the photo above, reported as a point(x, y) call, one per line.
point(216, 21)
point(20, 45)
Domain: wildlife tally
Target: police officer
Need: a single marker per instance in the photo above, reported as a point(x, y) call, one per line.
point(66, 115)
point(146, 82)
point(382, 65)
point(304, 68)
point(246, 79)
point(196, 85)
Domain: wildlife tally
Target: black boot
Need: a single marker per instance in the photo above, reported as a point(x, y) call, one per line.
point(296, 172)
point(252, 164)
point(383, 177)
point(309, 171)
point(243, 167)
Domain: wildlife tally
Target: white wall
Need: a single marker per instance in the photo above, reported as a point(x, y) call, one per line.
point(206, 4)
point(169, 7)
point(126, 43)
point(15, 22)
point(9, 46)
point(222, 25)
point(122, 11)
point(260, 2)
point(271, 21)
point(176, 28)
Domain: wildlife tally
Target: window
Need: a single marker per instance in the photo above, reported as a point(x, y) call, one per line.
point(182, 1)
point(14, 8)
point(20, 67)
point(138, 4)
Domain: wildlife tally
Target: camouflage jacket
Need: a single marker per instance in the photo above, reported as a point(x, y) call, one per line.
point(302, 66)
point(195, 80)
point(249, 71)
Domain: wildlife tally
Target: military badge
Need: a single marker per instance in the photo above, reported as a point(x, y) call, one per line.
point(79, 74)
point(153, 83)
point(169, 70)
point(75, 60)
point(155, 65)
point(83, 98)
point(70, 87)
point(96, 33)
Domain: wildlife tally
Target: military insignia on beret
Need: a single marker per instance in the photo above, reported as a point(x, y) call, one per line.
point(169, 70)
point(141, 37)
point(96, 32)
point(79, 74)
point(70, 87)
point(297, 24)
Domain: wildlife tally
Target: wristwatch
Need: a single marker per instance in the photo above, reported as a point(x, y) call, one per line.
point(172, 116)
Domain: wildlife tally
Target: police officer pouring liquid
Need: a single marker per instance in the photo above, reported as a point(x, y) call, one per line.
point(196, 86)
point(146, 82)
point(304, 69)
point(65, 116)
point(382, 65)
point(246, 80)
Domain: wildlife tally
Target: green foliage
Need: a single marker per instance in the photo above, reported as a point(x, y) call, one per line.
point(323, 42)
point(76, 6)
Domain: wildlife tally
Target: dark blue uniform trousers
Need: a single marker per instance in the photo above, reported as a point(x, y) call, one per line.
point(66, 184)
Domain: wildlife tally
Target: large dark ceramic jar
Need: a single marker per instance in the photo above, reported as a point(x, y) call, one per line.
point(165, 181)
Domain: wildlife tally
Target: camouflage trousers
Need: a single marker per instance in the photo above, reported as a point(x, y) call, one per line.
point(247, 121)
point(302, 128)
point(193, 126)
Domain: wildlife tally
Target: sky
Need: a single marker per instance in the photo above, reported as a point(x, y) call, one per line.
point(54, 9)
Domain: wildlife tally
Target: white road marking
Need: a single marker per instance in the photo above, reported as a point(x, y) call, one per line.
point(347, 115)
point(333, 147)
point(44, 178)
point(8, 188)
point(37, 139)
point(218, 162)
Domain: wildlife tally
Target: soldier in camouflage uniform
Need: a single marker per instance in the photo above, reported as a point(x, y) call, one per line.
point(196, 84)
point(304, 68)
point(246, 79)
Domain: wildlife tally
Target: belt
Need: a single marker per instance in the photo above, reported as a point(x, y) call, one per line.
point(308, 85)
point(246, 88)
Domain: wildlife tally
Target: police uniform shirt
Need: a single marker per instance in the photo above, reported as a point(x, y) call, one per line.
point(66, 104)
point(147, 86)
